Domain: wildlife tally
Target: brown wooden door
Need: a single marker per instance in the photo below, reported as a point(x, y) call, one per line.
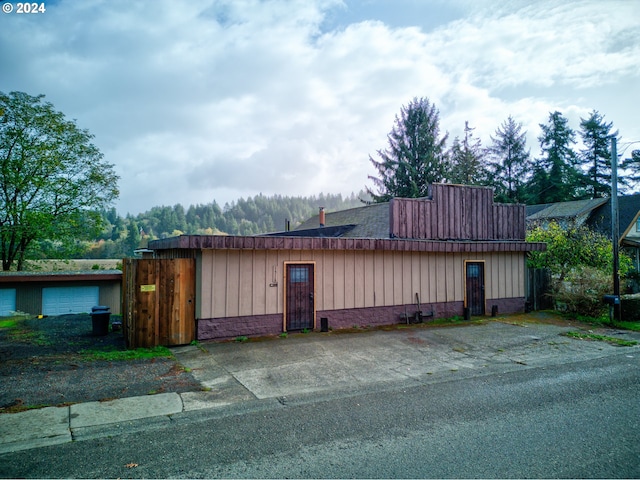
point(300, 307)
point(475, 287)
point(159, 302)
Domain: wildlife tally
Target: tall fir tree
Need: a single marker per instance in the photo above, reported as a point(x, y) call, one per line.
point(466, 160)
point(509, 160)
point(415, 157)
point(556, 176)
point(596, 156)
point(632, 164)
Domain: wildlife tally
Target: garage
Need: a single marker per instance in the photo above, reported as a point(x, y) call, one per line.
point(7, 301)
point(63, 300)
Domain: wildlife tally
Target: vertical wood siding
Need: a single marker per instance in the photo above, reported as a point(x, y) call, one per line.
point(456, 212)
point(240, 283)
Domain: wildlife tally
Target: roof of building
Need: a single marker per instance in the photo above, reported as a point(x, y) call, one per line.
point(598, 213)
point(369, 221)
point(563, 210)
point(628, 210)
point(60, 276)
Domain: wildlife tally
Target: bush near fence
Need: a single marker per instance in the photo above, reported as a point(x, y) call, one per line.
point(630, 308)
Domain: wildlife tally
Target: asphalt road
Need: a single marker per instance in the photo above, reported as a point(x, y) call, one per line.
point(574, 420)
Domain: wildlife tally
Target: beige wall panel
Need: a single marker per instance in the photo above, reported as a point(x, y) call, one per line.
point(240, 283)
point(379, 283)
point(458, 282)
point(204, 285)
point(495, 276)
point(369, 279)
point(429, 277)
point(522, 271)
point(388, 278)
point(220, 280)
point(440, 277)
point(488, 275)
point(351, 280)
point(502, 278)
point(320, 259)
point(416, 278)
point(512, 275)
point(397, 278)
point(339, 279)
point(360, 280)
point(260, 282)
point(409, 289)
point(245, 290)
point(276, 279)
point(233, 283)
point(327, 271)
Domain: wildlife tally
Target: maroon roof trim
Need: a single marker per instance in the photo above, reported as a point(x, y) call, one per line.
point(24, 277)
point(220, 242)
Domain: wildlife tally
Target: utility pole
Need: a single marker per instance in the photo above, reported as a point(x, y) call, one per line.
point(615, 227)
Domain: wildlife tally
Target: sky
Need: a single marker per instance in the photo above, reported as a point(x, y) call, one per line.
point(200, 100)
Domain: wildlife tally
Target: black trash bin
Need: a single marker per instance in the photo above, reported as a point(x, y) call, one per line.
point(100, 317)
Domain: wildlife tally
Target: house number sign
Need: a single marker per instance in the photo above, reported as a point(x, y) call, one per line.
point(148, 288)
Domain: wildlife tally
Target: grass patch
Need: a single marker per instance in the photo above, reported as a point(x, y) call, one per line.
point(242, 338)
point(634, 326)
point(9, 323)
point(115, 355)
point(17, 332)
point(602, 338)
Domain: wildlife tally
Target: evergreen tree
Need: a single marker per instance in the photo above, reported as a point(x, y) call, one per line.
point(415, 157)
point(509, 161)
point(633, 164)
point(555, 176)
point(596, 156)
point(467, 167)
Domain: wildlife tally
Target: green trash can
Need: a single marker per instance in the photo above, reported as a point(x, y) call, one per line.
point(100, 317)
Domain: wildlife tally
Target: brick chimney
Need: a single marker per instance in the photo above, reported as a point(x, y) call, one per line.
point(321, 216)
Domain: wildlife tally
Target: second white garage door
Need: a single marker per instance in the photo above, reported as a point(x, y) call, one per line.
point(63, 300)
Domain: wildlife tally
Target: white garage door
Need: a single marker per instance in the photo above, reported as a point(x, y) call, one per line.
point(7, 301)
point(63, 300)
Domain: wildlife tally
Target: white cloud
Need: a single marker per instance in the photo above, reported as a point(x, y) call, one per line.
point(202, 100)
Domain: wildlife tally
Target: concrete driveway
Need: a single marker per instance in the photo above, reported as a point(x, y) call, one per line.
point(322, 364)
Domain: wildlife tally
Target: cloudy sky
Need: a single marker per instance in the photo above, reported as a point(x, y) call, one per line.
point(202, 100)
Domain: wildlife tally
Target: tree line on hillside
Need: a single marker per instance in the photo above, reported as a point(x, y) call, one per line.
point(417, 156)
point(252, 216)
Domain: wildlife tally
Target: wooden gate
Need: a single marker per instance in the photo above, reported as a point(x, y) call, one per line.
point(158, 301)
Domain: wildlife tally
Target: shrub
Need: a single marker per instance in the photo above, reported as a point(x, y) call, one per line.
point(582, 291)
point(630, 309)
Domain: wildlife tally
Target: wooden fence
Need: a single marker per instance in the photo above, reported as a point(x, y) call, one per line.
point(538, 284)
point(158, 302)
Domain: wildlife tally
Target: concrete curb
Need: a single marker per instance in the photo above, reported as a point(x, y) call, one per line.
point(55, 425)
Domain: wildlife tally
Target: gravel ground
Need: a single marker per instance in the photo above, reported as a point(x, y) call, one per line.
point(41, 364)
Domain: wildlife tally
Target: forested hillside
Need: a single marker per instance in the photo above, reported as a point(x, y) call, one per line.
point(251, 216)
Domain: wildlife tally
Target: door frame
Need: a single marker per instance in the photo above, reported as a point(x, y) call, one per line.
point(484, 284)
point(285, 283)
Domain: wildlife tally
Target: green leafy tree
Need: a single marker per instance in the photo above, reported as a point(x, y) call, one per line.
point(509, 160)
point(415, 157)
point(467, 160)
point(596, 156)
point(53, 180)
point(556, 177)
point(568, 249)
